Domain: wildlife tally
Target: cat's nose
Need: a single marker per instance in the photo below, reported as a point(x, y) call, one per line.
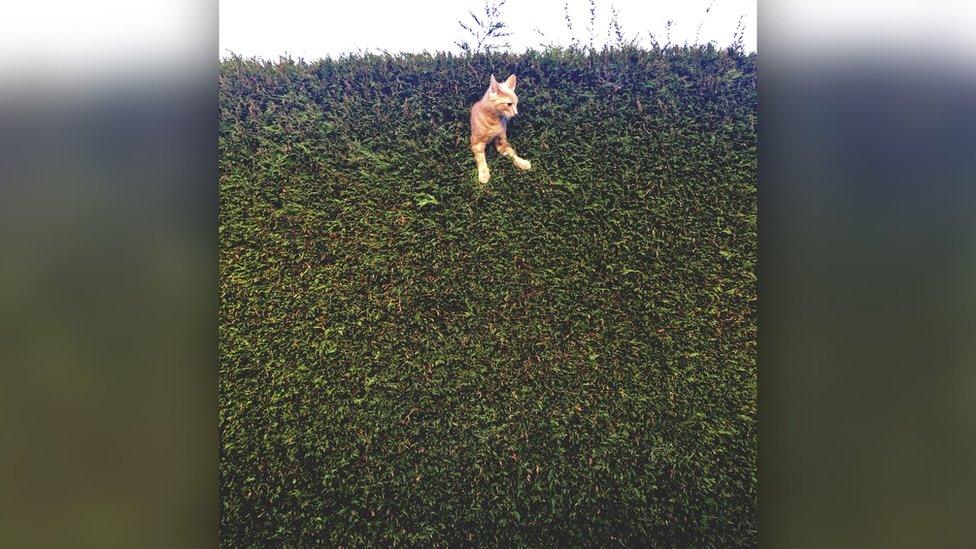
point(514, 110)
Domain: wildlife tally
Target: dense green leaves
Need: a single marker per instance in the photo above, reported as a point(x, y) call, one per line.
point(566, 359)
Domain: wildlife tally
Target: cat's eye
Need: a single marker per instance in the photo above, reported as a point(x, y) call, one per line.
point(509, 104)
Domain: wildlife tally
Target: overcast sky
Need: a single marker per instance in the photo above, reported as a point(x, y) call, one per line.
point(315, 28)
point(65, 38)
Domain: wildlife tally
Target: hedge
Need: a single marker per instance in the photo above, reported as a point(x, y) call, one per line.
point(566, 357)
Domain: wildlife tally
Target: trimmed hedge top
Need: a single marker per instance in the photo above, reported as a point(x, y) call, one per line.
point(568, 358)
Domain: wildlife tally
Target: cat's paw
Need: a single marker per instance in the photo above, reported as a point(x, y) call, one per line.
point(523, 164)
point(483, 175)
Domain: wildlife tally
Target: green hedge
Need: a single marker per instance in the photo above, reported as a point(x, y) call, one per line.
point(568, 358)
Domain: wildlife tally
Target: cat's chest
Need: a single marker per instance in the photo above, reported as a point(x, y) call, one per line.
point(492, 124)
point(487, 125)
point(496, 127)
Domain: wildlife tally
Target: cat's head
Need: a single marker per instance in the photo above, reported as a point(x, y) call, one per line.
point(502, 96)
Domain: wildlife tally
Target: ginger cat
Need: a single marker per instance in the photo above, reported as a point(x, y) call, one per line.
point(489, 118)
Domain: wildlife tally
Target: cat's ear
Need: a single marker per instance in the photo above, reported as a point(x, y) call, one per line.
point(494, 84)
point(511, 82)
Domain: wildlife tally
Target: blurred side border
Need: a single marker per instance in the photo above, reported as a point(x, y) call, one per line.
point(108, 296)
point(867, 276)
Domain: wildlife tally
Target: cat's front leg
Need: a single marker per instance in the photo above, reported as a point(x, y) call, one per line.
point(478, 149)
point(505, 149)
point(520, 162)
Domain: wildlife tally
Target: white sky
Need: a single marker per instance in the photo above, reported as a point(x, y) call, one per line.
point(313, 29)
point(58, 39)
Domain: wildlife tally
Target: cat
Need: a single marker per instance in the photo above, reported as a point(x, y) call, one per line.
point(489, 118)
